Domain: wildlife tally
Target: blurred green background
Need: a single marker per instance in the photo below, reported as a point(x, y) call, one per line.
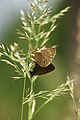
point(10, 90)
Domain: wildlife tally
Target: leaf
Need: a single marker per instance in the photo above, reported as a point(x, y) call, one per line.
point(2, 47)
point(44, 42)
point(16, 78)
point(53, 28)
point(28, 29)
point(61, 13)
point(33, 107)
point(8, 62)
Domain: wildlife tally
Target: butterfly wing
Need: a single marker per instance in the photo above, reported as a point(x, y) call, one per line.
point(43, 56)
point(38, 70)
point(37, 57)
point(48, 54)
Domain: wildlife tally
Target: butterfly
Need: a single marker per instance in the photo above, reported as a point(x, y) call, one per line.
point(43, 58)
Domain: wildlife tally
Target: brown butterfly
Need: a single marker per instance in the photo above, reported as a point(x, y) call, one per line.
point(43, 56)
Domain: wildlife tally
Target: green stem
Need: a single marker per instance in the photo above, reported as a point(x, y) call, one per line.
point(30, 114)
point(37, 41)
point(24, 84)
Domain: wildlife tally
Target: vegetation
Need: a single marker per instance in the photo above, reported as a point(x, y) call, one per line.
point(36, 34)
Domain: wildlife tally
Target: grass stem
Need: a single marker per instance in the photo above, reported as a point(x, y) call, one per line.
point(22, 107)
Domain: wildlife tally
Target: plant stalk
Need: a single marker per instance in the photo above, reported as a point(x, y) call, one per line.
point(30, 104)
point(22, 107)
